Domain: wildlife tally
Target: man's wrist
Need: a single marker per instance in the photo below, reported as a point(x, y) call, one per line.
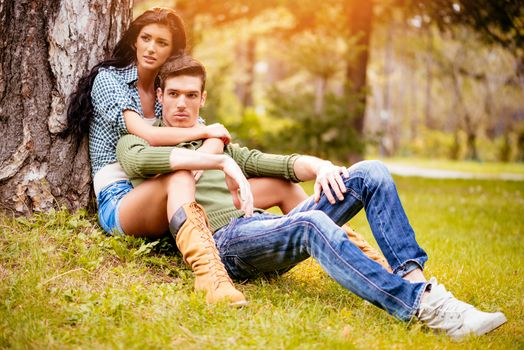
point(322, 163)
point(222, 161)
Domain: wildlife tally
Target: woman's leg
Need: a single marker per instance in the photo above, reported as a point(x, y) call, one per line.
point(168, 202)
point(270, 192)
point(147, 209)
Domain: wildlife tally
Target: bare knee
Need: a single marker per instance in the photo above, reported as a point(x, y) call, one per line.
point(181, 179)
point(270, 192)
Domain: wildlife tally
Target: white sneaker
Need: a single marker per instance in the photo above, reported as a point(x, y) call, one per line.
point(442, 311)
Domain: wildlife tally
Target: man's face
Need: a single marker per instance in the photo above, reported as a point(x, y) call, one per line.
point(181, 101)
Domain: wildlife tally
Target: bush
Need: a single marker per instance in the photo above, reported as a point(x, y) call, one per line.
point(328, 135)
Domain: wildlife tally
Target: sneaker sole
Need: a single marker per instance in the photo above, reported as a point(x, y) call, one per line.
point(495, 323)
point(241, 303)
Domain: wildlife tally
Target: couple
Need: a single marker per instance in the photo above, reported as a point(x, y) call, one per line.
point(119, 96)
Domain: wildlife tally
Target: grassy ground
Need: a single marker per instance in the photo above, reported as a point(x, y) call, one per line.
point(485, 168)
point(66, 285)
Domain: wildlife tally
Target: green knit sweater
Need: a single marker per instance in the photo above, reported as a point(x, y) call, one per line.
point(140, 161)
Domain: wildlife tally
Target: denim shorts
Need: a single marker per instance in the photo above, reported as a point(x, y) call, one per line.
point(109, 200)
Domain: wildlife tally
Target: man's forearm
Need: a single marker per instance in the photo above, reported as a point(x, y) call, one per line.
point(213, 146)
point(184, 159)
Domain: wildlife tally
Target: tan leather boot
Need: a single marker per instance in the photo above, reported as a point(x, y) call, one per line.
point(195, 241)
point(363, 245)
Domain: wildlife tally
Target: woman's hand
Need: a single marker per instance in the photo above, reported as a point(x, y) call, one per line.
point(218, 131)
point(236, 182)
point(328, 179)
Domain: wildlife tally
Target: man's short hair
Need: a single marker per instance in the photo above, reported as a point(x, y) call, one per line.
point(182, 65)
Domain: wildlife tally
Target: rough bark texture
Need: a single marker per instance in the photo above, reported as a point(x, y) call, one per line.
point(45, 46)
point(359, 17)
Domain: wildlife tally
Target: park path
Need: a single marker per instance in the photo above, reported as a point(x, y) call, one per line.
point(408, 170)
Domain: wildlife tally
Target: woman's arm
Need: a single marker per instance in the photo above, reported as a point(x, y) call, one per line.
point(172, 136)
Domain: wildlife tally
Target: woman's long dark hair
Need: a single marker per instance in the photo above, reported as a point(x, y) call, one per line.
point(80, 107)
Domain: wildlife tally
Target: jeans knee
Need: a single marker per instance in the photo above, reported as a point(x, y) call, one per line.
point(377, 173)
point(317, 218)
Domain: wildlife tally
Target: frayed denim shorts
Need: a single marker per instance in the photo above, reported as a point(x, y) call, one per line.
point(109, 200)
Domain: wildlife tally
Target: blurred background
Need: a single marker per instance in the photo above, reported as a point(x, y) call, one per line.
point(352, 79)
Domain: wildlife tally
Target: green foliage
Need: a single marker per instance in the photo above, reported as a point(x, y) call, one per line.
point(498, 21)
point(67, 285)
point(434, 144)
point(444, 145)
point(328, 134)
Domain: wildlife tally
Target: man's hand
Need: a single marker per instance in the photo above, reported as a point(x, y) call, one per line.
point(218, 131)
point(197, 174)
point(328, 179)
point(236, 181)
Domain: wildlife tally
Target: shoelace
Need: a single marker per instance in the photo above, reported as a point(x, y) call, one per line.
point(217, 268)
point(449, 308)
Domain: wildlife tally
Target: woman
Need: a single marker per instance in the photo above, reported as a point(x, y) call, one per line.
point(118, 97)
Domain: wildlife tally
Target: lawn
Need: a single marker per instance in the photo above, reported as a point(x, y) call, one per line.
point(477, 167)
point(67, 285)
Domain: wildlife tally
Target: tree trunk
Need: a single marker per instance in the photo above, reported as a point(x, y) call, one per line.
point(246, 60)
point(386, 113)
point(359, 18)
point(471, 153)
point(429, 81)
point(320, 95)
point(46, 45)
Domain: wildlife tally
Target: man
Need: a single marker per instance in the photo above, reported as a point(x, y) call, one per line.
point(265, 243)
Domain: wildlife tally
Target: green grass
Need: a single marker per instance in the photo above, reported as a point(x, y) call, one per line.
point(488, 168)
point(67, 285)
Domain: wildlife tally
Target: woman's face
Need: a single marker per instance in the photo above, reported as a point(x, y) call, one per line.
point(153, 46)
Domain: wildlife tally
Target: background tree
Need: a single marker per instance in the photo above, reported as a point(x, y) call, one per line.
point(46, 45)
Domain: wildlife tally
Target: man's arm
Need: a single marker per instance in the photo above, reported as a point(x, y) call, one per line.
point(294, 167)
point(326, 174)
point(258, 164)
point(214, 146)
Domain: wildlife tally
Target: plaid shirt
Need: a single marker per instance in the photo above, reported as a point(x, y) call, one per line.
point(114, 91)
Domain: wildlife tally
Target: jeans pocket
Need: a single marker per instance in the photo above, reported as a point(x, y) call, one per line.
point(238, 268)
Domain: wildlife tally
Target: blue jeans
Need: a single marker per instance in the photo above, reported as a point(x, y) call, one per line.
point(109, 200)
point(267, 243)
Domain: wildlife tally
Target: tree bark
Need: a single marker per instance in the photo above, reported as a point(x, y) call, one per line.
point(46, 45)
point(359, 19)
point(246, 60)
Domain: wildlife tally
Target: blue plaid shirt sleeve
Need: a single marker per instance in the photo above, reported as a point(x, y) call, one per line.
point(110, 99)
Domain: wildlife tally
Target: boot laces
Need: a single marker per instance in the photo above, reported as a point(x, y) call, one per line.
point(217, 267)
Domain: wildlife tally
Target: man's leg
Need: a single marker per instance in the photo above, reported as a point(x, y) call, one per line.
point(269, 192)
point(266, 243)
point(370, 186)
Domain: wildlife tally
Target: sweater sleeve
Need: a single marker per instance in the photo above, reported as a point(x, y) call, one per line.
point(258, 164)
point(140, 160)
